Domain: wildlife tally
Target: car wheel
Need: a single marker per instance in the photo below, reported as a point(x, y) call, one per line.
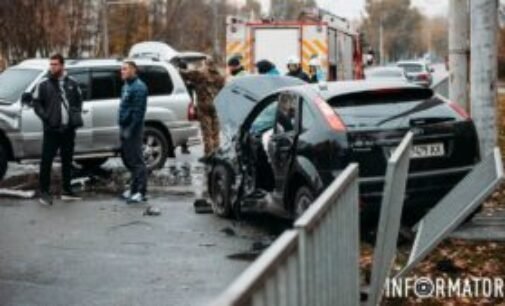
point(92, 163)
point(220, 191)
point(155, 148)
point(303, 199)
point(3, 162)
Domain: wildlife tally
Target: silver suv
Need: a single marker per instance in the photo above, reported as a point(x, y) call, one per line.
point(167, 122)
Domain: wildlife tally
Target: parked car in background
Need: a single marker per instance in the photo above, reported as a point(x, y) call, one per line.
point(386, 74)
point(418, 72)
point(166, 122)
point(286, 142)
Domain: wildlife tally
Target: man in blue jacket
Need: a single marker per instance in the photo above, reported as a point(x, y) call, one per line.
point(131, 122)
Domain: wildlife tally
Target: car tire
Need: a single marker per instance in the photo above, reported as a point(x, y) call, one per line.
point(220, 191)
point(92, 163)
point(155, 148)
point(3, 162)
point(303, 199)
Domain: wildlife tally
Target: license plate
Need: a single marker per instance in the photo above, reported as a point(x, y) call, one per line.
point(427, 150)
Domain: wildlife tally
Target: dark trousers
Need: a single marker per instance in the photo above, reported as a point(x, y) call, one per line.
point(133, 159)
point(53, 141)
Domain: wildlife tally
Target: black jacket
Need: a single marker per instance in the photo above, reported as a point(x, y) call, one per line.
point(48, 101)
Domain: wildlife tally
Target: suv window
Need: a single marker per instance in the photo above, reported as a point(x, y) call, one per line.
point(157, 79)
point(82, 78)
point(105, 84)
point(13, 82)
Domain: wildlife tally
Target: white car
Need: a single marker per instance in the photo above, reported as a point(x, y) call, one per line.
point(418, 72)
point(386, 74)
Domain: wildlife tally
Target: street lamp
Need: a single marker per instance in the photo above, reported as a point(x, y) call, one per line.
point(105, 7)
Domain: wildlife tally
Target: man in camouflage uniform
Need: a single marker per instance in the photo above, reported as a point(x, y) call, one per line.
point(207, 82)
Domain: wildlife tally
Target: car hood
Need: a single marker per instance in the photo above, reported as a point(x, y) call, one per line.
point(237, 99)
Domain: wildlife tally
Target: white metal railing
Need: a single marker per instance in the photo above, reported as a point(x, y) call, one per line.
point(317, 263)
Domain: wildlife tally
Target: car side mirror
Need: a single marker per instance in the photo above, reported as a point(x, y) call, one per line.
point(27, 98)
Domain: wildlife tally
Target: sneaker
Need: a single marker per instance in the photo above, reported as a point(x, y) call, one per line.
point(136, 198)
point(70, 196)
point(46, 199)
point(126, 195)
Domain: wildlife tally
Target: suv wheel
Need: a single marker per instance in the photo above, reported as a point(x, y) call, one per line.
point(220, 191)
point(3, 162)
point(92, 163)
point(303, 199)
point(155, 148)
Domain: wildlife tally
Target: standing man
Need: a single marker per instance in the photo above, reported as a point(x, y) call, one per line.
point(57, 101)
point(295, 69)
point(207, 83)
point(132, 112)
point(235, 67)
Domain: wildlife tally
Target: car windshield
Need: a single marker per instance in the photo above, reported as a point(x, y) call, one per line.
point(409, 68)
point(384, 74)
point(13, 82)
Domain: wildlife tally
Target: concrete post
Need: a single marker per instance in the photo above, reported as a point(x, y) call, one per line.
point(484, 74)
point(459, 34)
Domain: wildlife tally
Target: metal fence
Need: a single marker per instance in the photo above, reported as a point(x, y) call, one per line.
point(390, 218)
point(455, 208)
point(329, 244)
point(315, 264)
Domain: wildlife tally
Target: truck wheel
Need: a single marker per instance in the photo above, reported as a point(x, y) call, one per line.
point(92, 163)
point(3, 162)
point(155, 148)
point(303, 199)
point(220, 191)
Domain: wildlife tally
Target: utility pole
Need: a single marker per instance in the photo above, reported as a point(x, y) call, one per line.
point(484, 57)
point(459, 35)
point(215, 7)
point(105, 24)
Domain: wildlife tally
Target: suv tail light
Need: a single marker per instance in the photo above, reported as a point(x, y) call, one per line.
point(192, 114)
point(460, 110)
point(329, 114)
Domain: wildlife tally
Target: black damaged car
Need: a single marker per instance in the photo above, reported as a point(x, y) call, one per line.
point(285, 141)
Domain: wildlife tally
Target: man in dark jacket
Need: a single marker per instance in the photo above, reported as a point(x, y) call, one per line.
point(295, 69)
point(57, 101)
point(132, 112)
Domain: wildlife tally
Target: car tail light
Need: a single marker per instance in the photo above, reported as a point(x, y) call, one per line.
point(192, 114)
point(423, 77)
point(460, 110)
point(329, 114)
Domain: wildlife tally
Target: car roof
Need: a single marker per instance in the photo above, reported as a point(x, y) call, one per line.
point(342, 88)
point(411, 63)
point(43, 63)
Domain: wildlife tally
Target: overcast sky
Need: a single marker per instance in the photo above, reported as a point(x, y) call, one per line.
point(353, 8)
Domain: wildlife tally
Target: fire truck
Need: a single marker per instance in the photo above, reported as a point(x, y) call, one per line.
point(316, 34)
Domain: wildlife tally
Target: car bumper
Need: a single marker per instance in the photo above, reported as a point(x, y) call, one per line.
point(419, 185)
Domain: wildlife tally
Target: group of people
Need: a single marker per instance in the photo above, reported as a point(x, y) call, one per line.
point(266, 67)
point(57, 101)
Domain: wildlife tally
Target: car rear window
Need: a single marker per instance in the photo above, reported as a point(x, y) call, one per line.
point(14, 82)
point(409, 68)
point(390, 109)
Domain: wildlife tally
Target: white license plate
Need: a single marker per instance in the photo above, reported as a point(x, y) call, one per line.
point(427, 150)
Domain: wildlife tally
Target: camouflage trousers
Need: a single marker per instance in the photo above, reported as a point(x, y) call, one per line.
point(209, 124)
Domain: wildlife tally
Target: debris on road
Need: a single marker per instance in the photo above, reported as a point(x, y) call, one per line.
point(151, 211)
point(17, 193)
point(228, 231)
point(202, 206)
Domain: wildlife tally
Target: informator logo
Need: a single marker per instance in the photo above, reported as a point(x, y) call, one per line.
point(439, 287)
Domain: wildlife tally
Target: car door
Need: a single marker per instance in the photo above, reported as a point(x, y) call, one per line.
point(104, 103)
point(281, 147)
point(84, 135)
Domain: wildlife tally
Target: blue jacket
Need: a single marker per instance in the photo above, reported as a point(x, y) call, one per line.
point(133, 105)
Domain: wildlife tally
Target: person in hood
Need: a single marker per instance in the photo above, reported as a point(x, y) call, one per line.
point(235, 67)
point(295, 69)
point(57, 101)
point(316, 73)
point(266, 67)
